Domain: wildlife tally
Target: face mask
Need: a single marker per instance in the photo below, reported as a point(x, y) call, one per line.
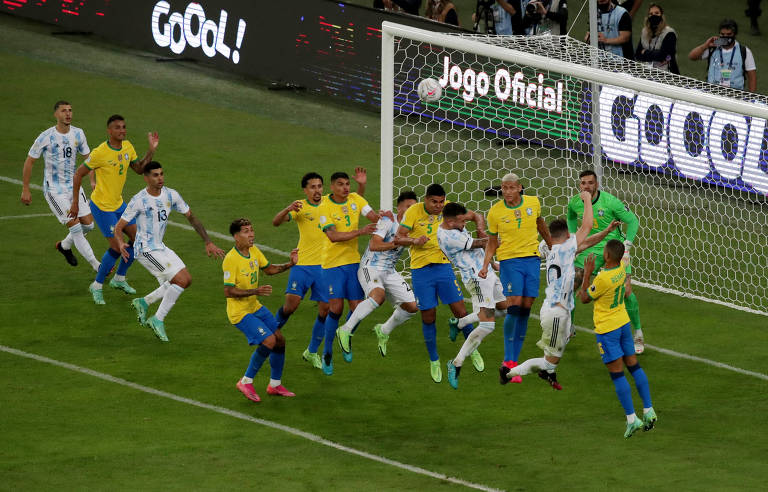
point(654, 21)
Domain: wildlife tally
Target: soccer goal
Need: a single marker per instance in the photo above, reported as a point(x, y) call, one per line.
point(689, 158)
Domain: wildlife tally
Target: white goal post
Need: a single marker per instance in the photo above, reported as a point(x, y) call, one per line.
point(689, 158)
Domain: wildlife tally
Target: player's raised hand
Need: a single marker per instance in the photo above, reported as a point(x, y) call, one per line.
point(294, 256)
point(74, 209)
point(613, 225)
point(367, 230)
point(26, 197)
point(387, 213)
point(154, 140)
point(295, 206)
point(589, 265)
point(263, 290)
point(213, 250)
point(361, 175)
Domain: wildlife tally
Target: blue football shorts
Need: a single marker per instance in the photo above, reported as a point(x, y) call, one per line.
point(302, 277)
point(520, 276)
point(433, 281)
point(257, 326)
point(341, 282)
point(108, 220)
point(615, 344)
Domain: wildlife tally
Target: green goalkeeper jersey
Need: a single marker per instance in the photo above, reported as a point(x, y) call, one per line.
point(606, 208)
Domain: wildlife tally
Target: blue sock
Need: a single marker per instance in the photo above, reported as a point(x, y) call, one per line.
point(430, 339)
point(257, 360)
point(521, 328)
point(623, 391)
point(281, 317)
point(123, 267)
point(467, 330)
point(318, 332)
point(107, 262)
point(277, 361)
point(510, 320)
point(331, 324)
point(641, 383)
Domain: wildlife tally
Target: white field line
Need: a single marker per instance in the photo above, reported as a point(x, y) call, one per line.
point(248, 418)
point(662, 350)
point(28, 216)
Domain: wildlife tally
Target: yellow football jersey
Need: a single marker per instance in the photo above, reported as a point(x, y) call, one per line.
point(345, 217)
point(607, 291)
point(111, 167)
point(242, 272)
point(419, 223)
point(312, 240)
point(515, 228)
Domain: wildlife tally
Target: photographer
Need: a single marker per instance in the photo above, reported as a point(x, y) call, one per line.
point(658, 42)
point(507, 16)
point(545, 17)
point(729, 63)
point(614, 26)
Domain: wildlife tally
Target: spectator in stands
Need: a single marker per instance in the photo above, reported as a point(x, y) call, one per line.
point(614, 25)
point(753, 12)
point(658, 42)
point(729, 63)
point(408, 6)
point(545, 17)
point(442, 11)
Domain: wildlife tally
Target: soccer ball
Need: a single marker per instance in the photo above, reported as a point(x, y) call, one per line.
point(429, 90)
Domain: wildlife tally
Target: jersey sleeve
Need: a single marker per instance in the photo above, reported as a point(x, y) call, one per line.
point(493, 223)
point(365, 208)
point(37, 147)
point(624, 214)
point(572, 218)
point(132, 154)
point(131, 211)
point(454, 241)
point(94, 160)
point(598, 287)
point(229, 267)
point(263, 261)
point(82, 144)
point(537, 206)
point(177, 203)
point(409, 219)
point(383, 226)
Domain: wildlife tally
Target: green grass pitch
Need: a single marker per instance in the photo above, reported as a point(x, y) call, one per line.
point(232, 148)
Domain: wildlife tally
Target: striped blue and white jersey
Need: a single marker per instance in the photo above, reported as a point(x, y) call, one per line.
point(560, 274)
point(151, 214)
point(59, 151)
point(457, 247)
point(383, 260)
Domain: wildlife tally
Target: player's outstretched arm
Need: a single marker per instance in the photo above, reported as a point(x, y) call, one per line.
point(210, 248)
point(285, 214)
point(541, 226)
point(154, 140)
point(479, 220)
point(597, 237)
point(490, 250)
point(339, 236)
point(361, 178)
point(589, 267)
point(273, 269)
point(234, 292)
point(586, 224)
point(26, 175)
point(77, 180)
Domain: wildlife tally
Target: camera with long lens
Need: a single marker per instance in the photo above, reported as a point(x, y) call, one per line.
point(532, 14)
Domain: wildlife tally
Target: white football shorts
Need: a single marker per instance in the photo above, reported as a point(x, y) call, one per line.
point(486, 292)
point(396, 289)
point(555, 330)
point(60, 203)
point(164, 264)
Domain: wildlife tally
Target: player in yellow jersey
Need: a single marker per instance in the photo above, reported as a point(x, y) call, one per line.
point(110, 161)
point(431, 272)
point(514, 224)
point(614, 334)
point(339, 217)
point(312, 243)
point(241, 288)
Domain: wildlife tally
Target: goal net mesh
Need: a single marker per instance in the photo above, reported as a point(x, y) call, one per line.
point(697, 178)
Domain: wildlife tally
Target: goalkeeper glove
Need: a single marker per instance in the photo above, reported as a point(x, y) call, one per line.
point(625, 258)
point(543, 250)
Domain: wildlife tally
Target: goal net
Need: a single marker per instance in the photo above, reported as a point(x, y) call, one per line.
point(689, 158)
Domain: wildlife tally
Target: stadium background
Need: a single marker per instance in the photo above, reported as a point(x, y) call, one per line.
point(232, 147)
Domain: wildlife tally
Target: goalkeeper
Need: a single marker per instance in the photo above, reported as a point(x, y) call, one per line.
point(607, 208)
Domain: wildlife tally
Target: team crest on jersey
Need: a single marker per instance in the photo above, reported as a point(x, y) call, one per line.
point(600, 212)
point(529, 211)
point(167, 204)
point(518, 214)
point(250, 263)
point(345, 209)
point(119, 157)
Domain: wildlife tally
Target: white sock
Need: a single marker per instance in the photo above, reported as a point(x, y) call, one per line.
point(274, 382)
point(82, 245)
point(87, 228)
point(169, 299)
point(473, 341)
point(638, 333)
point(500, 313)
point(119, 278)
point(246, 380)
point(399, 316)
point(646, 410)
point(631, 418)
point(468, 319)
point(156, 294)
point(529, 366)
point(361, 311)
point(96, 285)
point(66, 243)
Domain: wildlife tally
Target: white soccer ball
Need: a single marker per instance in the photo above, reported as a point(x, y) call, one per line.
point(429, 90)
